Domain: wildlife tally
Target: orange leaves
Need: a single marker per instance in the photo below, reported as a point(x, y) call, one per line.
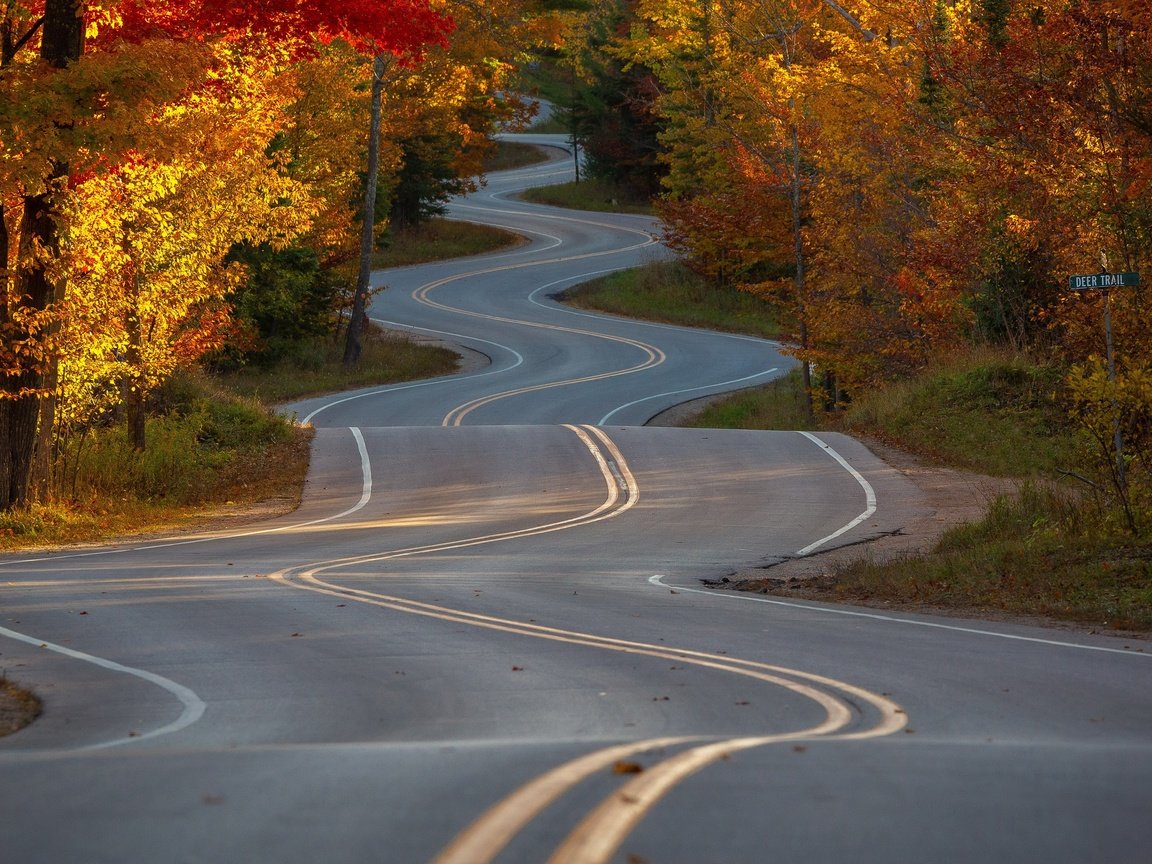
point(950, 163)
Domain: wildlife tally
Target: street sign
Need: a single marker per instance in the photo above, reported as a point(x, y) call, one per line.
point(1103, 280)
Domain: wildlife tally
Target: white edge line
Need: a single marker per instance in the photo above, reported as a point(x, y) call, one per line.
point(609, 415)
point(365, 473)
point(832, 610)
point(869, 495)
point(365, 496)
point(193, 705)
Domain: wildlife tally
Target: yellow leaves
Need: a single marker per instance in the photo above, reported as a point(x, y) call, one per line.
point(148, 239)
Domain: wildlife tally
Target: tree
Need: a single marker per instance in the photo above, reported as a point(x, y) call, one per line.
point(35, 283)
point(150, 242)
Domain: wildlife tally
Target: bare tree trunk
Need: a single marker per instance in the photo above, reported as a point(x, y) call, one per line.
point(368, 228)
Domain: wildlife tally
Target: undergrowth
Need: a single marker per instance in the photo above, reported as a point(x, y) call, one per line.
point(1046, 552)
point(993, 412)
point(315, 366)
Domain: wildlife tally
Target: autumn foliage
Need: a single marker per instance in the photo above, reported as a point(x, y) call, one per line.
point(139, 147)
point(929, 171)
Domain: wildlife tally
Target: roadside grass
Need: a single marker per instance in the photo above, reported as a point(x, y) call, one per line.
point(550, 126)
point(18, 707)
point(593, 194)
point(316, 367)
point(207, 451)
point(438, 240)
point(1047, 552)
point(669, 292)
point(777, 405)
point(987, 411)
point(513, 154)
point(990, 411)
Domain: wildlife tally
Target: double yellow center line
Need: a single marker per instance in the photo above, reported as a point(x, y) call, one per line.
point(600, 833)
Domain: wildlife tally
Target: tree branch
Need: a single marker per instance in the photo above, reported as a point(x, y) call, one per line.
point(23, 40)
point(851, 19)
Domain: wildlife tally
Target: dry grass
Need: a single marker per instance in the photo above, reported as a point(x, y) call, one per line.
point(18, 707)
point(669, 292)
point(256, 483)
point(1047, 553)
point(513, 154)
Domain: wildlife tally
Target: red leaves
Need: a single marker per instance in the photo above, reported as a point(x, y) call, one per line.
point(401, 27)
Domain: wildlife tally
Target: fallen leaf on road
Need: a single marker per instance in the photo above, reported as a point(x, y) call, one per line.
point(627, 768)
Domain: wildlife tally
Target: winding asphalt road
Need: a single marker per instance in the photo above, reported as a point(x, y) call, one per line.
point(483, 637)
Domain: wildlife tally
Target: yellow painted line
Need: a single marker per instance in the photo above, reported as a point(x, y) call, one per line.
point(601, 832)
point(610, 508)
point(610, 822)
point(486, 837)
point(654, 356)
point(598, 836)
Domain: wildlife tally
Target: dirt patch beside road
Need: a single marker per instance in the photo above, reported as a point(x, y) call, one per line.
point(952, 497)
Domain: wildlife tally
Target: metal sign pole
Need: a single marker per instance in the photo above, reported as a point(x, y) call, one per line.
point(1117, 432)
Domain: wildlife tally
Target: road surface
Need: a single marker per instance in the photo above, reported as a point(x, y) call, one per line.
point(483, 636)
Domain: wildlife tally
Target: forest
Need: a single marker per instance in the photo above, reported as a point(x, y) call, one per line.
point(908, 181)
point(184, 184)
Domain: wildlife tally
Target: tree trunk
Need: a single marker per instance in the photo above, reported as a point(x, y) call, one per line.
point(801, 273)
point(134, 380)
point(32, 292)
point(368, 228)
point(21, 395)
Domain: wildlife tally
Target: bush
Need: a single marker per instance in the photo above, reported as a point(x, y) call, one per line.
point(174, 465)
point(195, 434)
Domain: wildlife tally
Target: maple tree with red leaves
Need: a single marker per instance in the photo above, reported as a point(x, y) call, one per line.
point(62, 34)
point(400, 27)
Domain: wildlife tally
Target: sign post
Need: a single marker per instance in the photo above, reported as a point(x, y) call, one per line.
point(1105, 281)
